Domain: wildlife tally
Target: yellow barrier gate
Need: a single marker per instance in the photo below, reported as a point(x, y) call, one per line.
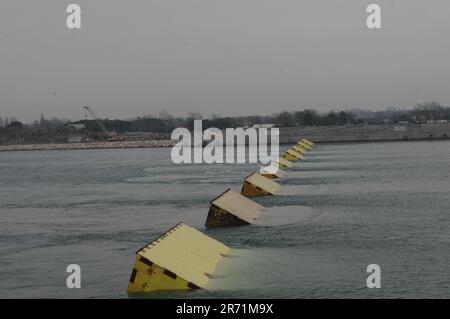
point(282, 163)
point(181, 259)
point(292, 155)
point(299, 149)
point(232, 209)
point(306, 141)
point(304, 145)
point(258, 185)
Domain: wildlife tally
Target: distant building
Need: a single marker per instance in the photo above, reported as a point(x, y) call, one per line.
point(399, 128)
point(77, 127)
point(75, 139)
point(436, 121)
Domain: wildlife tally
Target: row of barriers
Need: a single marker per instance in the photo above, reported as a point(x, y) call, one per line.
point(184, 258)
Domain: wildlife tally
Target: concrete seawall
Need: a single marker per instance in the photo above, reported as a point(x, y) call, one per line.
point(365, 132)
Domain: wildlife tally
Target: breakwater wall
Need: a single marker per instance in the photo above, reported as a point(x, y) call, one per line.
point(365, 132)
point(91, 145)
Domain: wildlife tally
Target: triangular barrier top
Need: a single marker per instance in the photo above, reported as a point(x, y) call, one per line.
point(258, 185)
point(306, 141)
point(299, 149)
point(292, 155)
point(232, 209)
point(181, 259)
point(304, 145)
point(282, 163)
point(272, 171)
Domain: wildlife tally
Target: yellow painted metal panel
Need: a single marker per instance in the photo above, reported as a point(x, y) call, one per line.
point(186, 252)
point(148, 277)
point(296, 155)
point(305, 146)
point(239, 206)
point(306, 141)
point(264, 183)
point(299, 149)
point(281, 162)
point(290, 157)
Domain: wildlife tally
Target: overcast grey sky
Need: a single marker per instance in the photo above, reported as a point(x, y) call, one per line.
point(228, 57)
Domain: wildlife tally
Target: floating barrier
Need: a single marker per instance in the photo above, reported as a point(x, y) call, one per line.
point(305, 146)
point(308, 142)
point(282, 163)
point(181, 259)
point(258, 185)
point(232, 209)
point(272, 172)
point(292, 155)
point(299, 149)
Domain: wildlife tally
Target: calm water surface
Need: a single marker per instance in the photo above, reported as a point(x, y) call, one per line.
point(344, 207)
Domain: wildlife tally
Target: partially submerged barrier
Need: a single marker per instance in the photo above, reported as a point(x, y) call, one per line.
point(304, 145)
point(272, 172)
point(184, 258)
point(292, 155)
point(258, 185)
point(181, 259)
point(299, 149)
point(232, 209)
point(282, 163)
point(306, 141)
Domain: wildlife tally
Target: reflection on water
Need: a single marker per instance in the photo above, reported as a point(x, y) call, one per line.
point(342, 208)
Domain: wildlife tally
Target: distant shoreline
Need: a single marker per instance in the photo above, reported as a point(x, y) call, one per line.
point(165, 143)
point(87, 146)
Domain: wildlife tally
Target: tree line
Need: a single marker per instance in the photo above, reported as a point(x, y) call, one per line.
point(165, 123)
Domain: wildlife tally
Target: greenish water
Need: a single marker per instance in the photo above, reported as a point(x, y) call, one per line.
point(344, 207)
